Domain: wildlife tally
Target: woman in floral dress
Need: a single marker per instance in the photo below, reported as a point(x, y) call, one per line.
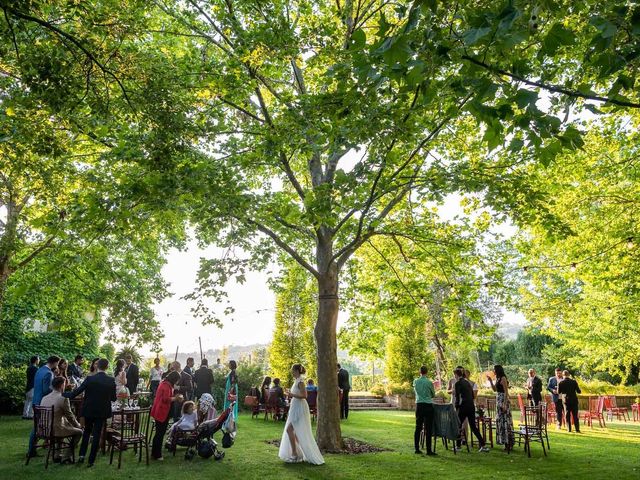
point(504, 422)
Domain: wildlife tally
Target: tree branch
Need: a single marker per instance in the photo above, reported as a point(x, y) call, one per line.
point(36, 252)
point(77, 43)
point(281, 243)
point(550, 87)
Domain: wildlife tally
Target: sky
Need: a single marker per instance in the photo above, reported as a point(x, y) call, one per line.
point(253, 301)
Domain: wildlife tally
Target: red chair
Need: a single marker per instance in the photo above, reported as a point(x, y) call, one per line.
point(635, 412)
point(551, 410)
point(522, 408)
point(312, 400)
point(596, 407)
point(611, 406)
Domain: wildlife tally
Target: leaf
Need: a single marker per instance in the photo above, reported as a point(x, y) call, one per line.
point(358, 39)
point(557, 36)
point(10, 112)
point(525, 98)
point(470, 37)
point(604, 26)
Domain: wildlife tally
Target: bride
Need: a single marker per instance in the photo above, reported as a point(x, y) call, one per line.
point(298, 444)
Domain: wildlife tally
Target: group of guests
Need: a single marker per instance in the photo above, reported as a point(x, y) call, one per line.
point(272, 388)
point(55, 383)
point(175, 395)
point(564, 393)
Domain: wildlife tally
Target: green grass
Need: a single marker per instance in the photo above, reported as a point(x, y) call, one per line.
point(611, 453)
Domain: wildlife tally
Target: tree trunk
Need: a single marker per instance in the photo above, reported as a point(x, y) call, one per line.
point(328, 433)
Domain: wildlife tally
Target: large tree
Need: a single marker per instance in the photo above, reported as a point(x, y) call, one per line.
point(326, 117)
point(314, 121)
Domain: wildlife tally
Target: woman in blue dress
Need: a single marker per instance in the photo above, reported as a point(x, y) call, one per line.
point(231, 389)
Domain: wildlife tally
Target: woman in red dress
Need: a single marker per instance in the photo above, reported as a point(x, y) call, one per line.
point(160, 411)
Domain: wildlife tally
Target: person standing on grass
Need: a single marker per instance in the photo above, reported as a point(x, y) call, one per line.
point(345, 385)
point(569, 389)
point(466, 408)
point(425, 392)
point(552, 386)
point(32, 369)
point(155, 377)
point(161, 409)
point(132, 374)
point(231, 389)
point(534, 388)
point(203, 378)
point(99, 391)
point(504, 421)
point(74, 371)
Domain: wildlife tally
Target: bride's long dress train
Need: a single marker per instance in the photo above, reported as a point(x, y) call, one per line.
point(300, 418)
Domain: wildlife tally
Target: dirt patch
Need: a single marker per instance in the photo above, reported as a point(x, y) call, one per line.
point(351, 446)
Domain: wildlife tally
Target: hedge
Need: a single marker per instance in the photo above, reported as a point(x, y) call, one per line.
point(364, 383)
point(13, 381)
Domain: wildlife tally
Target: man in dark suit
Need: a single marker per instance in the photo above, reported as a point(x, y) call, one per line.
point(534, 388)
point(133, 374)
point(32, 369)
point(345, 386)
point(99, 391)
point(190, 364)
point(75, 369)
point(203, 378)
point(569, 388)
point(552, 386)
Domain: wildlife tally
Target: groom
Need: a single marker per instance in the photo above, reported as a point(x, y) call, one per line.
point(344, 385)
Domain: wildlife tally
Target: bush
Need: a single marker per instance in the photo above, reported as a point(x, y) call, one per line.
point(599, 387)
point(12, 383)
point(364, 383)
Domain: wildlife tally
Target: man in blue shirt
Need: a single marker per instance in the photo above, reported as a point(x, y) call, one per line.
point(42, 387)
point(552, 386)
point(424, 409)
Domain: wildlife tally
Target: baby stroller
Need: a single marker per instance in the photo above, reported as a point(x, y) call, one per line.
point(202, 443)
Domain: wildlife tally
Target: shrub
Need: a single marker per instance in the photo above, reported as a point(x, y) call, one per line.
point(249, 375)
point(364, 383)
point(12, 383)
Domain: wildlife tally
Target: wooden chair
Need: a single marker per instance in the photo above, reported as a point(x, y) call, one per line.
point(635, 412)
point(611, 406)
point(596, 408)
point(272, 407)
point(533, 429)
point(43, 426)
point(129, 427)
point(312, 400)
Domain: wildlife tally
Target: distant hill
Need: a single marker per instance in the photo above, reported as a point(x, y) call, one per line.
point(233, 352)
point(509, 330)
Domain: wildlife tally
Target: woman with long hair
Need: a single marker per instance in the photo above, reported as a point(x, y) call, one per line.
point(120, 375)
point(504, 422)
point(231, 389)
point(298, 444)
point(264, 389)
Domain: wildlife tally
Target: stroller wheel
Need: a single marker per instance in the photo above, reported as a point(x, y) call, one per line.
point(218, 455)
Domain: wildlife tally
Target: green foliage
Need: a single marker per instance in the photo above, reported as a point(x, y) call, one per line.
point(407, 350)
point(293, 340)
point(249, 375)
point(108, 351)
point(63, 344)
point(364, 383)
point(12, 384)
point(128, 350)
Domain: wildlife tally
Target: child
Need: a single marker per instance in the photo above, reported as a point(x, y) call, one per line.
point(188, 421)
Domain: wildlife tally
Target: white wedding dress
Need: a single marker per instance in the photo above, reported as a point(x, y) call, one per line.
point(299, 417)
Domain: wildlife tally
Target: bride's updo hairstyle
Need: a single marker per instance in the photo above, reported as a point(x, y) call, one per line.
point(299, 368)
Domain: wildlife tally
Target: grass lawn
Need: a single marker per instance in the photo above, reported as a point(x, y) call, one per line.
point(611, 453)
